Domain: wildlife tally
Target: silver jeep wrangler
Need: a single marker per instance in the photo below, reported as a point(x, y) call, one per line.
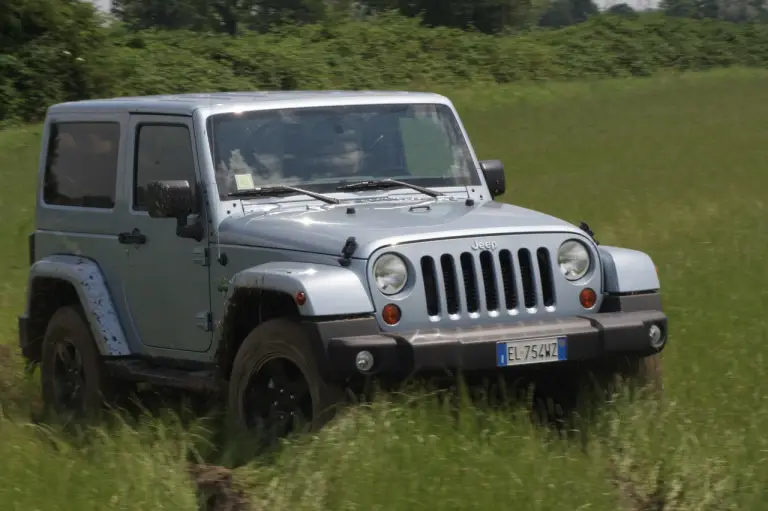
point(282, 246)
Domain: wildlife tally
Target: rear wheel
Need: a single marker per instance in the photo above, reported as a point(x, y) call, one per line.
point(74, 380)
point(276, 387)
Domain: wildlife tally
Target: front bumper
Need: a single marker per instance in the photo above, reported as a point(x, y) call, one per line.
point(583, 338)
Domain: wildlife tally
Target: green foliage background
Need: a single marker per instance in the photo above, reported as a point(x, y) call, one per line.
point(670, 166)
point(49, 55)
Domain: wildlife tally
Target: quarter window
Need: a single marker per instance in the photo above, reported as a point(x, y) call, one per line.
point(81, 164)
point(163, 152)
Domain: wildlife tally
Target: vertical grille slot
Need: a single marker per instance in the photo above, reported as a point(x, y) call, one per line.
point(545, 272)
point(489, 281)
point(430, 285)
point(451, 285)
point(508, 279)
point(470, 282)
point(526, 273)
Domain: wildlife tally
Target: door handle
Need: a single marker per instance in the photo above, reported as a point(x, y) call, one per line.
point(132, 238)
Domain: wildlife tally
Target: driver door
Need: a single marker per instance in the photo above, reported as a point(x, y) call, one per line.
point(166, 277)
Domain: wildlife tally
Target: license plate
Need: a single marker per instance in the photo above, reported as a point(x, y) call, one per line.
point(531, 351)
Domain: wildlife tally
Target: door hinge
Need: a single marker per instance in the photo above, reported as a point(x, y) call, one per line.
point(204, 320)
point(200, 256)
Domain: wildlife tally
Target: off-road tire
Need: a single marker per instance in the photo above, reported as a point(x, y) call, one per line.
point(283, 338)
point(68, 325)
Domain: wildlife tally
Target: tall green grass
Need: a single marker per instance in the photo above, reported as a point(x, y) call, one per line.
point(674, 166)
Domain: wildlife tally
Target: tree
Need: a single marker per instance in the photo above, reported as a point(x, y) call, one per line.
point(49, 52)
point(730, 10)
point(489, 16)
point(268, 13)
point(622, 10)
point(64, 21)
point(568, 12)
point(220, 15)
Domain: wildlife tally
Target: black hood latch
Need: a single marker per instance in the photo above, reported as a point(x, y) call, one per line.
point(585, 227)
point(347, 250)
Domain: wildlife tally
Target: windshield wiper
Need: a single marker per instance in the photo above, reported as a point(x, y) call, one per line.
point(267, 191)
point(377, 184)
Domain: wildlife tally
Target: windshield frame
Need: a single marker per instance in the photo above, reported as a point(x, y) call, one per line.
point(457, 136)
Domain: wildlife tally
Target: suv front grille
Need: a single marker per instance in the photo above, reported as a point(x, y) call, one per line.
point(487, 282)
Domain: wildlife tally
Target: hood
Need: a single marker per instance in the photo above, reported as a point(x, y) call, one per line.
point(324, 229)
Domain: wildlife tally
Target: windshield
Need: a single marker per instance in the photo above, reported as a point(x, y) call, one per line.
point(320, 148)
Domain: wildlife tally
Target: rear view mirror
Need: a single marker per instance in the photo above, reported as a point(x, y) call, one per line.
point(169, 199)
point(493, 171)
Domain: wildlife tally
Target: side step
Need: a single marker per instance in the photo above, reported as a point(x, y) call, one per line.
point(141, 372)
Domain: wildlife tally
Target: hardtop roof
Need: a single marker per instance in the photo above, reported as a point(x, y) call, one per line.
point(187, 104)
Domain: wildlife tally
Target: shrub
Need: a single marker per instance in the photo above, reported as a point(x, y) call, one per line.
point(389, 51)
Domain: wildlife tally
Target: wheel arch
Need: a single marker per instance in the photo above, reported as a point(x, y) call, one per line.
point(627, 271)
point(270, 290)
point(61, 280)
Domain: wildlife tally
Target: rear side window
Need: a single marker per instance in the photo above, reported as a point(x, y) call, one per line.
point(81, 165)
point(163, 152)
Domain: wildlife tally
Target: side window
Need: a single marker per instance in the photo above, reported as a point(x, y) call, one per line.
point(81, 164)
point(163, 152)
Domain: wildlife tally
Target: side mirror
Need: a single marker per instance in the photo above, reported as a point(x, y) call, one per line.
point(169, 199)
point(174, 199)
point(493, 171)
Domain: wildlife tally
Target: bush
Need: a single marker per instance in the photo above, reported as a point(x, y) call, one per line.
point(389, 51)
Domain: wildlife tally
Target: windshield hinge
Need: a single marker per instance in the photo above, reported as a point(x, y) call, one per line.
point(204, 320)
point(200, 256)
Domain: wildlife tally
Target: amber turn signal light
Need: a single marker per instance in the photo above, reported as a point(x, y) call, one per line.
point(301, 298)
point(391, 314)
point(588, 297)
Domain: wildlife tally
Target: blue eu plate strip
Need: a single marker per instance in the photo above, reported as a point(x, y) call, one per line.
point(501, 354)
point(562, 349)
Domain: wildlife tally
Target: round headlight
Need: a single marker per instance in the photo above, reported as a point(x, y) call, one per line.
point(390, 273)
point(573, 259)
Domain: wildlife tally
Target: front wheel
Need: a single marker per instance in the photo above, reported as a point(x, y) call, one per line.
point(276, 387)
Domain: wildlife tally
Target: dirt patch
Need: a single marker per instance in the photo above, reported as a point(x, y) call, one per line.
point(19, 391)
point(10, 374)
point(216, 491)
point(5, 359)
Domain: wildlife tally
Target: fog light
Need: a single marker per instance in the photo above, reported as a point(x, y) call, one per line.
point(364, 361)
point(655, 336)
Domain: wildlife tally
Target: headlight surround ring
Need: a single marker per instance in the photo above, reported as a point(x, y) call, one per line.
point(390, 273)
point(573, 259)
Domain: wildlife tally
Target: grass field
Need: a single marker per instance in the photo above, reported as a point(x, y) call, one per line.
point(674, 166)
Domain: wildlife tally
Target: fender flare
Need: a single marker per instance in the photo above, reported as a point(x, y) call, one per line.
point(627, 271)
point(89, 283)
point(329, 290)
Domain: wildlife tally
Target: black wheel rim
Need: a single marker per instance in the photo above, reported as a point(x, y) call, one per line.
point(277, 401)
point(68, 376)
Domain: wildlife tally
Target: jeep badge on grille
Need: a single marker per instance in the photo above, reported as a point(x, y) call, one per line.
point(484, 245)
